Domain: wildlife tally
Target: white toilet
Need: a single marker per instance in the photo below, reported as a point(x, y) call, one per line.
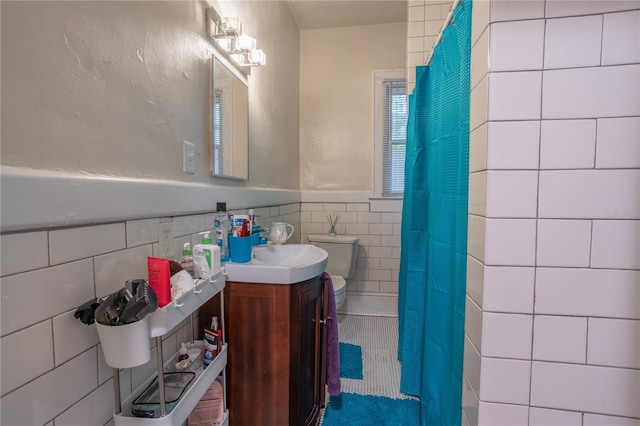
point(343, 252)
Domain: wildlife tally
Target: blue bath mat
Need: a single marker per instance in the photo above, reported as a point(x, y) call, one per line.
point(350, 361)
point(350, 409)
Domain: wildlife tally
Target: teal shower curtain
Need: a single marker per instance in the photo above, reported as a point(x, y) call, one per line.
point(433, 262)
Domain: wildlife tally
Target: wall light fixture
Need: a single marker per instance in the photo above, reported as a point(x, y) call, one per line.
point(227, 32)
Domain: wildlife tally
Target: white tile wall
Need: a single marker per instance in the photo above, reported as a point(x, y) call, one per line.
point(568, 144)
point(588, 388)
point(513, 145)
point(564, 104)
point(70, 244)
point(582, 36)
point(589, 194)
point(24, 252)
point(505, 380)
point(591, 92)
point(510, 242)
point(52, 365)
point(508, 289)
point(610, 293)
point(506, 335)
point(491, 414)
point(546, 417)
point(515, 95)
point(512, 194)
point(621, 38)
point(561, 339)
point(618, 145)
point(564, 243)
point(616, 243)
point(517, 46)
point(614, 342)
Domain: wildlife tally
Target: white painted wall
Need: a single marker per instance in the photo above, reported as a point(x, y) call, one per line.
point(553, 303)
point(114, 88)
point(336, 95)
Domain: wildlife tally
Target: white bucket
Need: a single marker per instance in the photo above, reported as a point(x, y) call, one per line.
point(125, 346)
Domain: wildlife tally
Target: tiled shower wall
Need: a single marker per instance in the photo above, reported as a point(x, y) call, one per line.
point(52, 366)
point(426, 18)
point(553, 292)
point(378, 233)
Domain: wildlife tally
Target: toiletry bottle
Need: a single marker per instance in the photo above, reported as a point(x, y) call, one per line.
point(211, 343)
point(222, 226)
point(182, 354)
point(206, 256)
point(186, 261)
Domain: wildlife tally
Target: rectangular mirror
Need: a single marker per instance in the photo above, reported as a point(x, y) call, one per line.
point(229, 125)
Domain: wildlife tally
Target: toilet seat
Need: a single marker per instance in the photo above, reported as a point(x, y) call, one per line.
point(339, 283)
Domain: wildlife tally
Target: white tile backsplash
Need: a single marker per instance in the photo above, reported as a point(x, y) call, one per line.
point(66, 245)
point(607, 293)
point(564, 243)
point(71, 337)
point(33, 403)
point(513, 145)
point(480, 58)
point(31, 297)
point(26, 355)
point(95, 408)
point(614, 342)
point(24, 252)
point(595, 92)
point(582, 36)
point(514, 95)
point(506, 335)
point(586, 388)
point(517, 46)
point(616, 243)
point(473, 323)
point(618, 145)
point(114, 269)
point(568, 144)
point(143, 231)
point(561, 339)
point(478, 149)
point(621, 38)
point(479, 104)
point(505, 380)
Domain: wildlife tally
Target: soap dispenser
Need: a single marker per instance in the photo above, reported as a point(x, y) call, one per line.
point(206, 256)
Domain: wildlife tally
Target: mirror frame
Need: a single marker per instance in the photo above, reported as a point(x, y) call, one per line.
point(219, 58)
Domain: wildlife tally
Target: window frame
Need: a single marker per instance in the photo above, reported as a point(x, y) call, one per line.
point(379, 169)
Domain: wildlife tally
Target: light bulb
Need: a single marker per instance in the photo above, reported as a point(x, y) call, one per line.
point(245, 42)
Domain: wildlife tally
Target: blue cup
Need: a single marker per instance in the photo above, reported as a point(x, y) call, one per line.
point(240, 249)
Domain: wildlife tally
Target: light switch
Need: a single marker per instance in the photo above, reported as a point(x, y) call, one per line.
point(188, 157)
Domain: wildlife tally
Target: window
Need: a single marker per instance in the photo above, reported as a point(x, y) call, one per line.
point(390, 118)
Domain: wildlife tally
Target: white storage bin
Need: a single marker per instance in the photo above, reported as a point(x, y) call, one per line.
point(125, 346)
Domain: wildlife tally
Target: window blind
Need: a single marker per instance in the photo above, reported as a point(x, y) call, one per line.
point(217, 133)
point(394, 133)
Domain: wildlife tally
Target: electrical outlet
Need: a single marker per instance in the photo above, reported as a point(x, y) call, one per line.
point(166, 239)
point(188, 157)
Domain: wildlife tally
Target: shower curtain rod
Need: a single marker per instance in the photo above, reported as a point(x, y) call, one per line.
point(446, 22)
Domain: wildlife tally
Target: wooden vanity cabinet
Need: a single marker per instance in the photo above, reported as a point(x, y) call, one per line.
point(276, 337)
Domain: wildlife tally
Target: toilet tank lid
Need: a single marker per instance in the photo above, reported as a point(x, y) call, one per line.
point(339, 239)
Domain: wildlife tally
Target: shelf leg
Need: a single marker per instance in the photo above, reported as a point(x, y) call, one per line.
point(116, 390)
point(224, 370)
point(163, 408)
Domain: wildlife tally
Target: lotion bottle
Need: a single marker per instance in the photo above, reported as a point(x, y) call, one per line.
point(186, 261)
point(206, 256)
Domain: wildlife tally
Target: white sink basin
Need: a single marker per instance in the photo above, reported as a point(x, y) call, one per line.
point(280, 264)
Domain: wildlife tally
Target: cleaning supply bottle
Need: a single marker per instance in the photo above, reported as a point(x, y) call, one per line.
point(206, 256)
point(182, 354)
point(222, 226)
point(186, 261)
